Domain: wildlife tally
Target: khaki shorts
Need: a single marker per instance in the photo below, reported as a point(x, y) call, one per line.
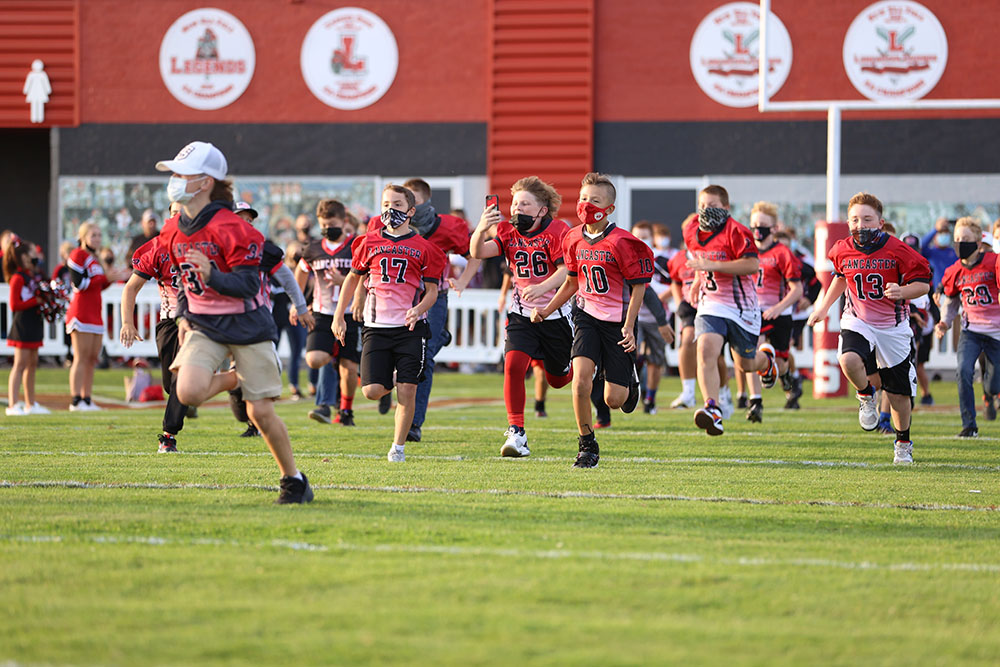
point(257, 365)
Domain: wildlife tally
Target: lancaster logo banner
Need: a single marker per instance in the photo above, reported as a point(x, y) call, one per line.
point(724, 53)
point(207, 59)
point(349, 58)
point(895, 50)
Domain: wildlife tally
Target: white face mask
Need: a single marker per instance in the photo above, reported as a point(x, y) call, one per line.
point(177, 189)
point(996, 245)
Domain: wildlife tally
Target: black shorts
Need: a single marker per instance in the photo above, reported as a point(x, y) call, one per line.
point(598, 341)
point(778, 332)
point(798, 326)
point(899, 379)
point(167, 345)
point(550, 341)
point(394, 349)
point(685, 316)
point(321, 338)
point(924, 347)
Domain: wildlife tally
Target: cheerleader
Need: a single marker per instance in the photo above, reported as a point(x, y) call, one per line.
point(84, 321)
point(20, 270)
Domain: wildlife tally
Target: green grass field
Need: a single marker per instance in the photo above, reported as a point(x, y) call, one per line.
point(795, 541)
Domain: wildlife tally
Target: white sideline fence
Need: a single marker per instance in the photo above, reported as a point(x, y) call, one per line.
point(475, 324)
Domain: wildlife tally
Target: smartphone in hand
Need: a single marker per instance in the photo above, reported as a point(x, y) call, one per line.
point(493, 200)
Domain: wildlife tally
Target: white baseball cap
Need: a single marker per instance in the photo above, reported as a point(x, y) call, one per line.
point(198, 157)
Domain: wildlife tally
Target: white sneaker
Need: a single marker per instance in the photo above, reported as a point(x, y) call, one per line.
point(16, 410)
point(396, 455)
point(517, 443)
point(902, 452)
point(683, 401)
point(726, 403)
point(868, 412)
point(39, 409)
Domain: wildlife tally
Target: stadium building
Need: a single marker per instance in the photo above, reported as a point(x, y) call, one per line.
point(309, 99)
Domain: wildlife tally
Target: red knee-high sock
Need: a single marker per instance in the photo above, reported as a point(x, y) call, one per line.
point(515, 365)
point(556, 381)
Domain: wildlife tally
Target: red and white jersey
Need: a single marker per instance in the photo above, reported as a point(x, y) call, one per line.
point(606, 268)
point(532, 259)
point(87, 304)
point(396, 267)
point(976, 287)
point(725, 294)
point(680, 272)
point(867, 273)
point(151, 261)
point(228, 242)
point(449, 233)
point(778, 267)
point(660, 284)
point(324, 259)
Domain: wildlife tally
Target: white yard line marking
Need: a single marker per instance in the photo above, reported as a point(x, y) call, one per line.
point(525, 554)
point(546, 459)
point(589, 495)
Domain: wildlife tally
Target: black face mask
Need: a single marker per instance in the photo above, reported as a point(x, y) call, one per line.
point(865, 237)
point(393, 219)
point(523, 223)
point(761, 233)
point(332, 233)
point(34, 261)
point(712, 219)
point(967, 249)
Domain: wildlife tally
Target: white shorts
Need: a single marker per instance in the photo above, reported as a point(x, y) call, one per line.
point(892, 346)
point(76, 325)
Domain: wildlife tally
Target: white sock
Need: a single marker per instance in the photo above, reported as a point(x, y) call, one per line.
point(398, 448)
point(298, 475)
point(754, 397)
point(688, 385)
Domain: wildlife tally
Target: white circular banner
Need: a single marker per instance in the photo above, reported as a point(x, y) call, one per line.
point(724, 53)
point(207, 59)
point(349, 58)
point(895, 50)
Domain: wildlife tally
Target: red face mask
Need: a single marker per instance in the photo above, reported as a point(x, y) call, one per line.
point(590, 214)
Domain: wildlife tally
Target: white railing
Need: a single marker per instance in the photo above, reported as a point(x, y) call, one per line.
point(473, 320)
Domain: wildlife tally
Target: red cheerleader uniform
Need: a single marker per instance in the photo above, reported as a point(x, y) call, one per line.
point(88, 279)
point(26, 328)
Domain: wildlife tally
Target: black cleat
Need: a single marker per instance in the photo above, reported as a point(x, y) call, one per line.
point(649, 407)
point(385, 404)
point(630, 402)
point(238, 405)
point(989, 408)
point(792, 404)
point(589, 453)
point(168, 444)
point(741, 402)
point(294, 490)
point(755, 413)
point(969, 432)
point(414, 434)
point(251, 431)
point(540, 409)
point(321, 414)
point(191, 413)
point(346, 417)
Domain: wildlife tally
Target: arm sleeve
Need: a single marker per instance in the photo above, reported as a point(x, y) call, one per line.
point(284, 277)
point(242, 282)
point(741, 241)
point(434, 264)
point(652, 301)
point(77, 262)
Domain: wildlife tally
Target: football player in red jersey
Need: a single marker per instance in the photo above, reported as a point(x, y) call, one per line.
point(607, 270)
point(725, 258)
point(779, 286)
point(222, 307)
point(971, 283)
point(451, 235)
point(329, 259)
point(403, 270)
point(531, 242)
point(880, 274)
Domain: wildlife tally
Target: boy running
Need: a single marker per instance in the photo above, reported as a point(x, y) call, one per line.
point(779, 286)
point(725, 258)
point(880, 274)
point(532, 245)
point(607, 269)
point(403, 270)
point(971, 283)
